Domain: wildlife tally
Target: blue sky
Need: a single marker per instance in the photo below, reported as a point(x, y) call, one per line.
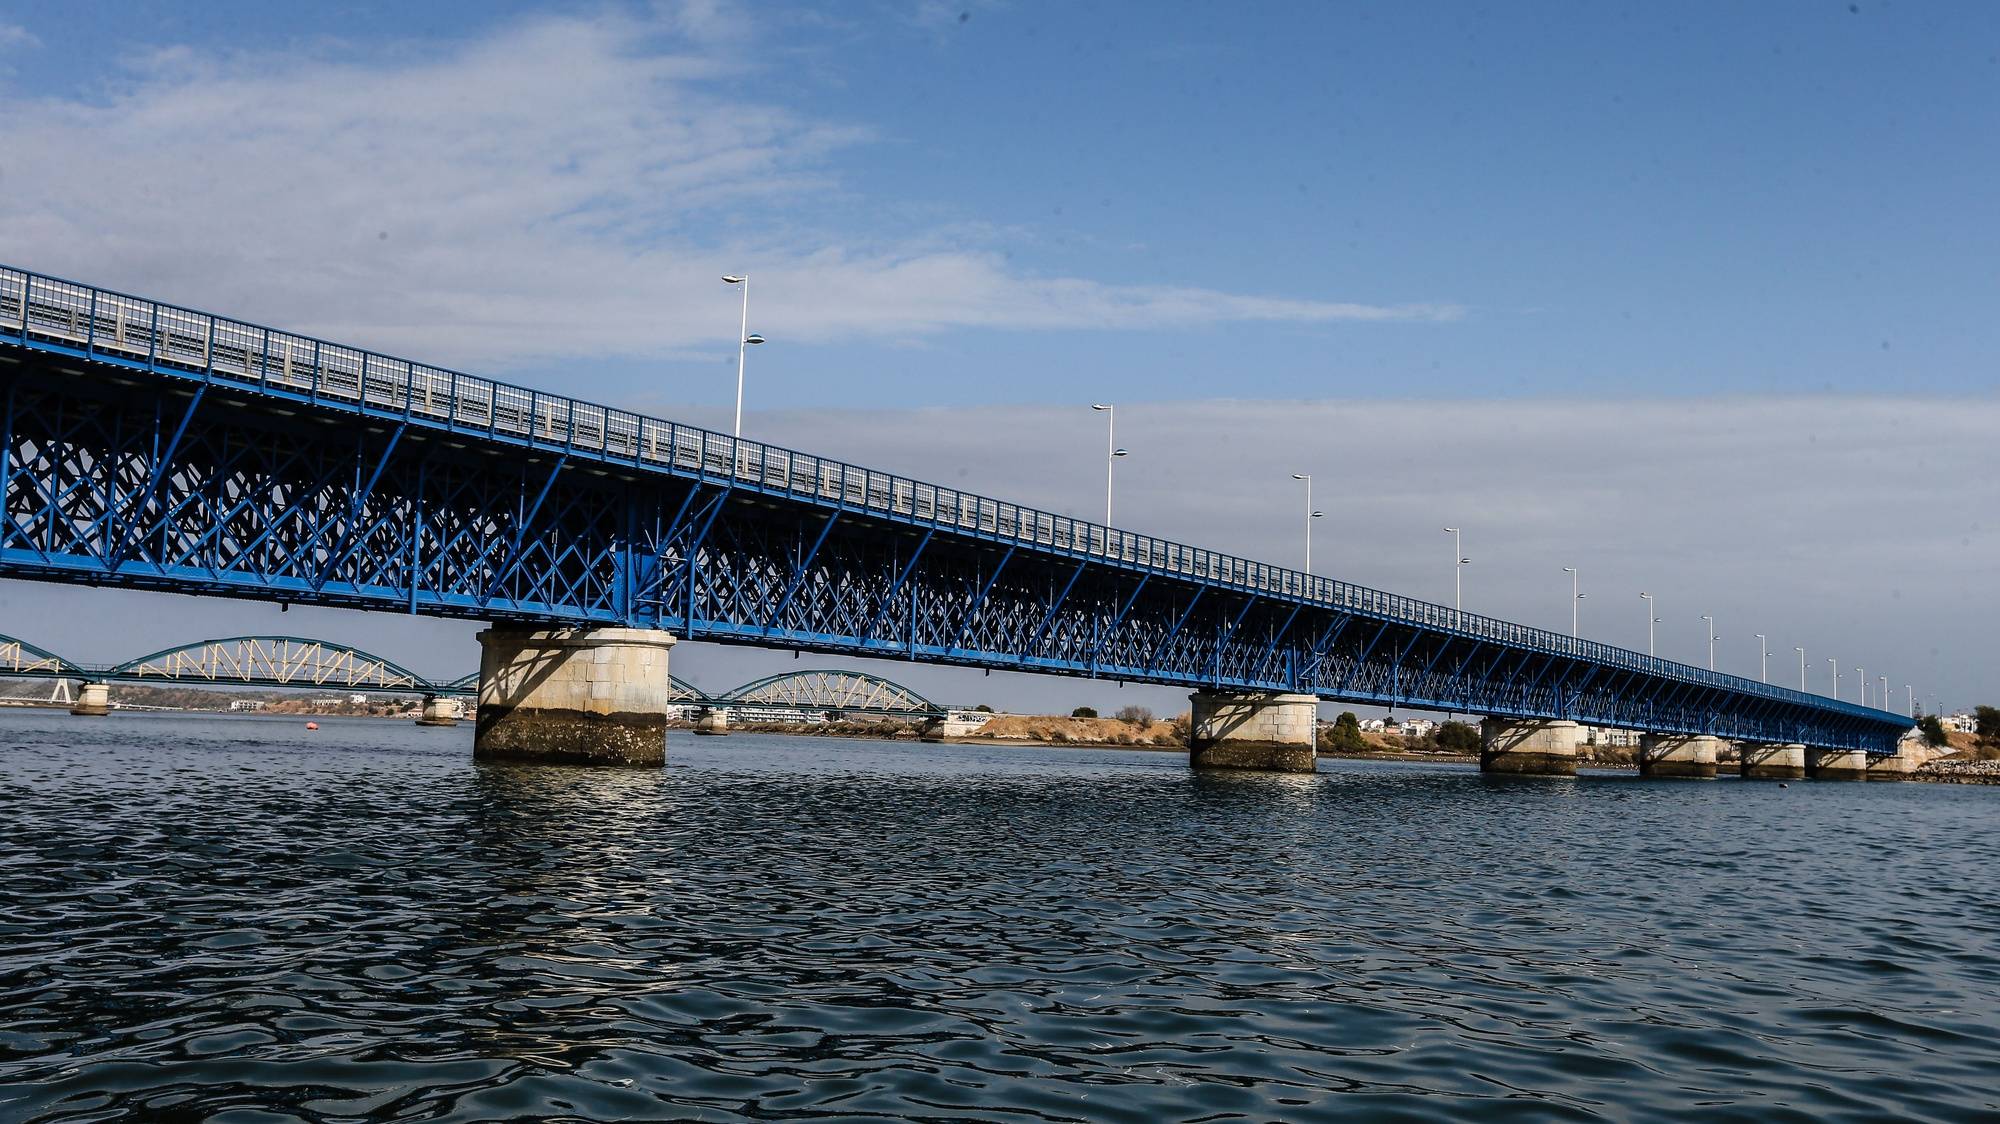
point(1756, 232)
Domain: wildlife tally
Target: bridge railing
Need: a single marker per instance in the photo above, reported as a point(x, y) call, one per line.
point(98, 321)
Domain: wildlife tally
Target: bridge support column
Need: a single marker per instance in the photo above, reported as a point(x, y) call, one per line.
point(713, 722)
point(438, 712)
point(1774, 762)
point(1533, 746)
point(1275, 733)
point(1678, 755)
point(1895, 767)
point(94, 700)
point(1836, 764)
point(573, 696)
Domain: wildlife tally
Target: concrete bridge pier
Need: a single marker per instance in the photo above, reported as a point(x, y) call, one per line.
point(1774, 762)
point(438, 712)
point(573, 696)
point(1272, 732)
point(1534, 746)
point(1894, 767)
point(93, 700)
point(1679, 755)
point(713, 721)
point(1837, 765)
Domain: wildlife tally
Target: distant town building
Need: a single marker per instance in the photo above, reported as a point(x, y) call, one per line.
point(1610, 737)
point(1416, 727)
point(246, 704)
point(1962, 723)
point(358, 700)
point(1374, 726)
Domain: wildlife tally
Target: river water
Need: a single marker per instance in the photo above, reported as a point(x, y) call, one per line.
point(233, 919)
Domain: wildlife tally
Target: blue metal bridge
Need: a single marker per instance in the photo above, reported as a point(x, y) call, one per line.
point(153, 446)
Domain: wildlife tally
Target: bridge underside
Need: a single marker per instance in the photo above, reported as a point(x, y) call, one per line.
point(176, 481)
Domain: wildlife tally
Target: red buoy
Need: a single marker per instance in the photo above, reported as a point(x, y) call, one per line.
point(312, 725)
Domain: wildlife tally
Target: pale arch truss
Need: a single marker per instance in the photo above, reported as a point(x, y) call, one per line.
point(832, 690)
point(18, 657)
point(273, 661)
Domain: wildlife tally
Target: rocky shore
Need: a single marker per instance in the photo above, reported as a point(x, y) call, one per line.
point(1959, 771)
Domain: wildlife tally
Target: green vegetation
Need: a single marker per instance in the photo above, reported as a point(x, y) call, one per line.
point(1933, 729)
point(1988, 719)
point(1083, 712)
point(983, 708)
point(1344, 736)
point(1458, 737)
point(1136, 715)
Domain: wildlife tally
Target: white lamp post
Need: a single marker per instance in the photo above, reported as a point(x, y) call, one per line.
point(1882, 696)
point(1310, 516)
point(1763, 660)
point(1574, 597)
point(1459, 562)
point(743, 341)
point(1861, 673)
point(1651, 620)
point(1111, 453)
point(1833, 664)
point(1711, 640)
point(1802, 667)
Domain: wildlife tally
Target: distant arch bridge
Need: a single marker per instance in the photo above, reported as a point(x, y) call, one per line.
point(275, 662)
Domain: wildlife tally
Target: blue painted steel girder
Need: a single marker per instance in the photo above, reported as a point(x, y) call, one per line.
point(164, 478)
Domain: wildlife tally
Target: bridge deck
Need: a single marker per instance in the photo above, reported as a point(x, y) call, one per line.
point(1544, 673)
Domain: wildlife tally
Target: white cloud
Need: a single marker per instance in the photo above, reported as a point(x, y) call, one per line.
point(562, 188)
point(14, 35)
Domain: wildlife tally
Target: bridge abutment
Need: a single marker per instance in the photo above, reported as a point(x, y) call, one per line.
point(1272, 732)
point(713, 722)
point(92, 701)
point(1837, 765)
point(1679, 755)
point(1533, 746)
point(1773, 762)
point(573, 696)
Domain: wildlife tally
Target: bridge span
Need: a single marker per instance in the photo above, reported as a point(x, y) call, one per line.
point(153, 446)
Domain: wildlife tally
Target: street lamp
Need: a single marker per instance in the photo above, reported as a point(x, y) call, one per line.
point(1111, 453)
point(1574, 597)
point(1763, 660)
point(1802, 667)
point(1459, 562)
point(1912, 693)
point(1882, 697)
point(1651, 620)
point(744, 339)
point(1711, 640)
point(1834, 664)
point(1310, 516)
point(1861, 673)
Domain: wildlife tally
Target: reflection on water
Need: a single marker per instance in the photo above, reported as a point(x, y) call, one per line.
point(231, 918)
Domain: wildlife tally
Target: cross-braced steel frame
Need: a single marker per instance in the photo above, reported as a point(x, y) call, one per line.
point(157, 447)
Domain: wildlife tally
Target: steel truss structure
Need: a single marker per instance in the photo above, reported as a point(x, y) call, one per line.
point(153, 446)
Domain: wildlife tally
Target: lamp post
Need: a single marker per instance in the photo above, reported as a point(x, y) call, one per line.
point(1574, 597)
point(1651, 620)
point(1111, 453)
point(1711, 640)
point(1882, 696)
point(1912, 693)
point(1310, 516)
point(743, 341)
point(1763, 660)
point(1861, 673)
point(1833, 665)
point(1459, 562)
point(1802, 667)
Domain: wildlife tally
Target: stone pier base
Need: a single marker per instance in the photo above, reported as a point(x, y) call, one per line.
point(93, 700)
point(1837, 765)
point(1678, 755)
point(573, 696)
point(1894, 767)
point(1529, 745)
point(714, 722)
point(1270, 732)
point(1774, 762)
point(438, 712)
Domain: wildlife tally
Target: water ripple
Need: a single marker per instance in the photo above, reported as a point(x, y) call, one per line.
point(232, 920)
